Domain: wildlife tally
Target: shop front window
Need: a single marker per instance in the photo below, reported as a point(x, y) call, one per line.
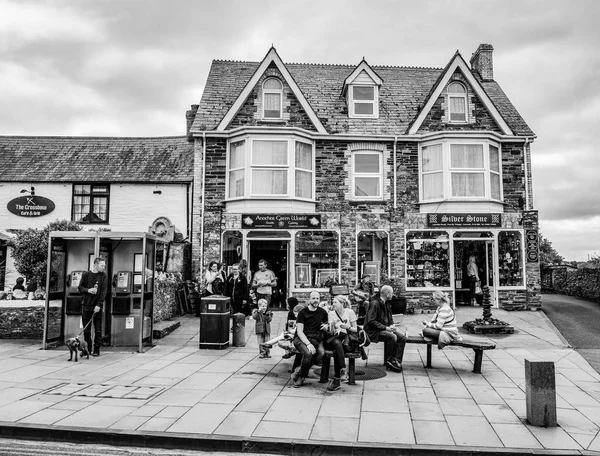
point(510, 259)
point(427, 259)
point(316, 261)
point(372, 250)
point(232, 249)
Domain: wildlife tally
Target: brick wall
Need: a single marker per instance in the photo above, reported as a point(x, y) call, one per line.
point(581, 283)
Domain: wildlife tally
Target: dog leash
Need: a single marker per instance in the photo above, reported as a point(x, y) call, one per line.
point(88, 323)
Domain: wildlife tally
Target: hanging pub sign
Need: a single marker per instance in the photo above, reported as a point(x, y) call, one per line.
point(465, 220)
point(281, 221)
point(531, 246)
point(30, 206)
point(530, 219)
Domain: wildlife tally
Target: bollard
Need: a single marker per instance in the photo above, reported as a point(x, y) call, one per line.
point(239, 330)
point(540, 393)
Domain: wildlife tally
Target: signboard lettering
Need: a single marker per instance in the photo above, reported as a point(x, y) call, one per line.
point(30, 206)
point(470, 220)
point(281, 221)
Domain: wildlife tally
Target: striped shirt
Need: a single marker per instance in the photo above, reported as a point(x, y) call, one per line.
point(444, 319)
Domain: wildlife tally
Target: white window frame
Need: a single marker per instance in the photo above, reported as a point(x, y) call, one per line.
point(447, 171)
point(351, 111)
point(249, 167)
point(462, 96)
point(355, 174)
point(272, 91)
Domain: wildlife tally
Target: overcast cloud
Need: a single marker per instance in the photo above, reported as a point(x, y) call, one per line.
point(132, 68)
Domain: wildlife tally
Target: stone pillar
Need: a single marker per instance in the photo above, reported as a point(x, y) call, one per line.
point(540, 393)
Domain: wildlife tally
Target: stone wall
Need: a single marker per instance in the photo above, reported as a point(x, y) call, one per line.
point(581, 283)
point(20, 322)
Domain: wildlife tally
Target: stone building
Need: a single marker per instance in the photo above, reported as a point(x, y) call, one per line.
point(332, 171)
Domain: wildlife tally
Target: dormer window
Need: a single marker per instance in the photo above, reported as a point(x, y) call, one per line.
point(272, 98)
point(457, 102)
point(363, 101)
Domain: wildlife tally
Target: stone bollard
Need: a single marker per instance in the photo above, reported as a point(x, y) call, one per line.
point(239, 330)
point(540, 393)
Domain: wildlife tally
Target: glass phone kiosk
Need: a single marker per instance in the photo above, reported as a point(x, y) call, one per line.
point(128, 306)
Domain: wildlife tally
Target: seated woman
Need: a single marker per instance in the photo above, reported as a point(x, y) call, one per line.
point(442, 326)
point(342, 320)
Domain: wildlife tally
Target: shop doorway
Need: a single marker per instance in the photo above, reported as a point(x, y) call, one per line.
point(483, 252)
point(276, 254)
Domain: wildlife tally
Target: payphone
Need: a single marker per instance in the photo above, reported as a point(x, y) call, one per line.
point(121, 303)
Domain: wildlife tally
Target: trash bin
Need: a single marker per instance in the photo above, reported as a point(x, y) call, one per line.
point(214, 322)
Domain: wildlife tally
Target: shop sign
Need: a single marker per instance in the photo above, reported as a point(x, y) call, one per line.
point(465, 220)
point(281, 221)
point(530, 219)
point(30, 206)
point(532, 247)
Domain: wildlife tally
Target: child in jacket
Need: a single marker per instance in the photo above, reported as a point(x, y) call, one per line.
point(262, 317)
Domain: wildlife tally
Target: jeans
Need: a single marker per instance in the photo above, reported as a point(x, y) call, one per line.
point(338, 355)
point(262, 338)
point(307, 357)
point(267, 297)
point(394, 344)
point(86, 316)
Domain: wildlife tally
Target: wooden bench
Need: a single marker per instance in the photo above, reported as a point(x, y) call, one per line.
point(477, 345)
point(351, 357)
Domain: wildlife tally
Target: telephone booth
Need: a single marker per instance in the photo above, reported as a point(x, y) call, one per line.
point(128, 306)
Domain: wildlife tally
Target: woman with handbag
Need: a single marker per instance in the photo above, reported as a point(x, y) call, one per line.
point(473, 275)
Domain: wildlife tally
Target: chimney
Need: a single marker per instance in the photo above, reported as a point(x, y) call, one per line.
point(482, 62)
point(189, 117)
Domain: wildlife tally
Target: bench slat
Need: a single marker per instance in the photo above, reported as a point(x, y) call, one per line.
point(468, 343)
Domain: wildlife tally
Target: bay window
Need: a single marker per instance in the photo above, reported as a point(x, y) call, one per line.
point(266, 167)
point(460, 171)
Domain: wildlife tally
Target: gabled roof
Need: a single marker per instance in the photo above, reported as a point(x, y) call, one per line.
point(271, 57)
point(362, 66)
point(402, 96)
point(86, 159)
point(457, 62)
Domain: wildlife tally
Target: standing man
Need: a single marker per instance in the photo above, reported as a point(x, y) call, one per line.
point(310, 324)
point(264, 280)
point(93, 287)
point(380, 326)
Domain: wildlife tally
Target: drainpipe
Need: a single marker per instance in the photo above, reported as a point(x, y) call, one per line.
point(203, 202)
point(395, 174)
point(526, 173)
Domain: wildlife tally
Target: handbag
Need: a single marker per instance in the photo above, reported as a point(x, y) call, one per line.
point(478, 289)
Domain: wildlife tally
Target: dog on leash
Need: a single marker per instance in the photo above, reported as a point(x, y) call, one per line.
point(75, 345)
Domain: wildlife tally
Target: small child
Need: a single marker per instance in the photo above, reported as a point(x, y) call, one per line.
point(290, 330)
point(263, 319)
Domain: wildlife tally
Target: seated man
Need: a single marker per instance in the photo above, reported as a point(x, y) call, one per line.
point(379, 325)
point(310, 324)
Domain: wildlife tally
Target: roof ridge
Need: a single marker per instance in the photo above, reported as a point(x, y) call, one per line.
point(349, 65)
point(92, 137)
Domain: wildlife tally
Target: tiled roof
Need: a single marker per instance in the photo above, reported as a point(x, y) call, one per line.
point(68, 159)
point(403, 93)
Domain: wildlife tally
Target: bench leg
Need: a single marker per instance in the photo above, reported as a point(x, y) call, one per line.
point(325, 370)
point(351, 371)
point(478, 361)
point(428, 355)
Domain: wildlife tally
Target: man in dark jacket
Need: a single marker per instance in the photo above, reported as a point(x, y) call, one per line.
point(92, 286)
point(380, 327)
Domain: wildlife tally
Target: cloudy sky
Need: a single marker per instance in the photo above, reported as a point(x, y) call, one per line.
point(132, 68)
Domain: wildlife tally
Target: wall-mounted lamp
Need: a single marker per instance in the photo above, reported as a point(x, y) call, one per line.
point(31, 192)
point(157, 192)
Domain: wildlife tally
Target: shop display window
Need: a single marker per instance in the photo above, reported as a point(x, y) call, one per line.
point(232, 248)
point(316, 259)
point(427, 259)
point(510, 259)
point(372, 250)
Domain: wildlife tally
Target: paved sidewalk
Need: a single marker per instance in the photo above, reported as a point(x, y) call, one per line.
point(176, 391)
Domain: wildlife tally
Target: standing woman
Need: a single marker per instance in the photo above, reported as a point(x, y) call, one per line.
point(473, 275)
point(237, 289)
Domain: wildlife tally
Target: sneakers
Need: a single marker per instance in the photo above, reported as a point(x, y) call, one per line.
point(297, 379)
point(393, 365)
point(334, 384)
point(286, 355)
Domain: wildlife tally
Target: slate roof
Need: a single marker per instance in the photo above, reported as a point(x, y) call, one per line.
point(403, 93)
point(87, 159)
